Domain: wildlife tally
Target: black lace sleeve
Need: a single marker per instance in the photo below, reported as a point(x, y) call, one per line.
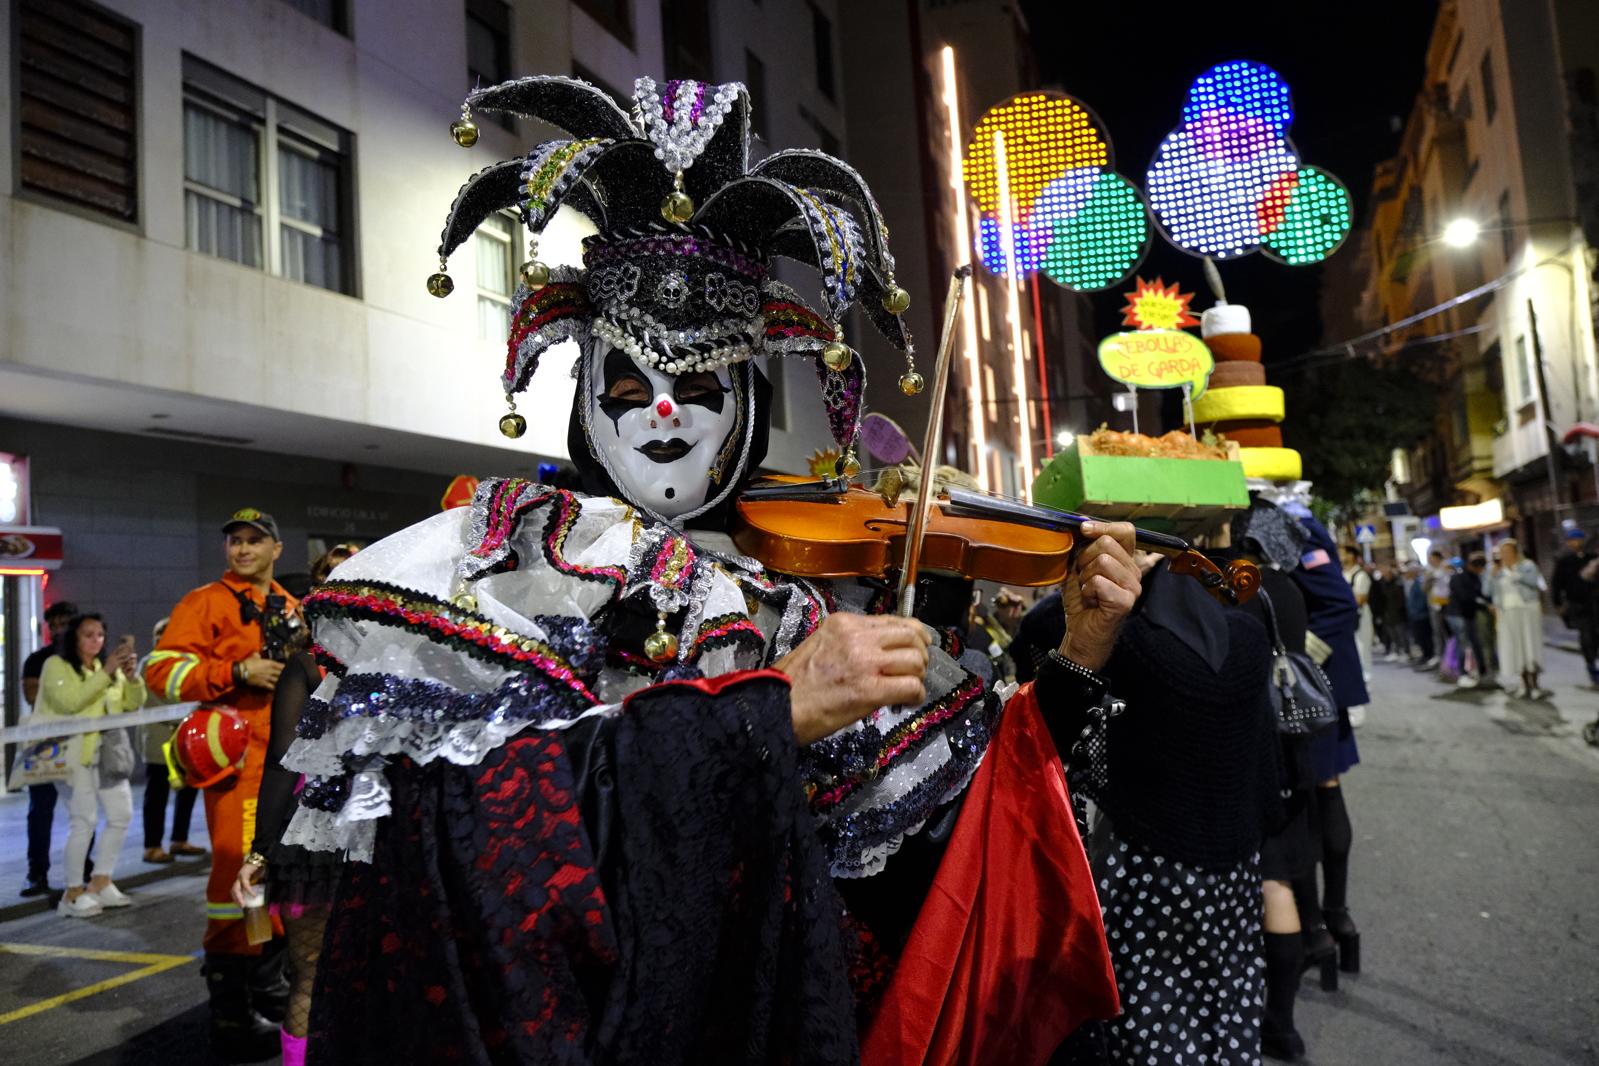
point(299, 679)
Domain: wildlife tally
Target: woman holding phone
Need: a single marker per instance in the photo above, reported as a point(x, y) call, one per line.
point(74, 684)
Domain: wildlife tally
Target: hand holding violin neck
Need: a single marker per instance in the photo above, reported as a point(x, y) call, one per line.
point(1102, 585)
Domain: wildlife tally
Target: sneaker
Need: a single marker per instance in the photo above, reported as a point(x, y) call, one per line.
point(85, 906)
point(1467, 681)
point(32, 887)
point(112, 896)
point(1430, 663)
point(156, 855)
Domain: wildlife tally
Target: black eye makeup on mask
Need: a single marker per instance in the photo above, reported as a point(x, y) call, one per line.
point(626, 389)
point(701, 389)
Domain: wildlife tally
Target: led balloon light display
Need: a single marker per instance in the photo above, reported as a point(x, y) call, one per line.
point(1228, 181)
point(1069, 214)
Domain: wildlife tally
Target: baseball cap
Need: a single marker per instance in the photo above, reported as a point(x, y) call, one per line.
point(249, 516)
point(1576, 533)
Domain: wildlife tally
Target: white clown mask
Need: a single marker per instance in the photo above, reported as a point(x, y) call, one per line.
point(665, 439)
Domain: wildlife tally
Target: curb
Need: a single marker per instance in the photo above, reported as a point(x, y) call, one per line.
point(45, 904)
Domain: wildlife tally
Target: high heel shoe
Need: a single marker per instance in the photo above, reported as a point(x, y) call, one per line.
point(1321, 953)
point(1343, 931)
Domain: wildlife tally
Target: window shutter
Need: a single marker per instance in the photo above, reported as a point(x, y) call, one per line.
point(78, 114)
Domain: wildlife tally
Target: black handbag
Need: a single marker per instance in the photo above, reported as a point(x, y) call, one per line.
point(1300, 693)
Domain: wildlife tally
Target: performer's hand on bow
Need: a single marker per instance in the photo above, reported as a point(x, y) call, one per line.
point(1100, 589)
point(852, 665)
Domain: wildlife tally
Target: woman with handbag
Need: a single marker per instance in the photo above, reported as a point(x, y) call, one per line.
point(74, 684)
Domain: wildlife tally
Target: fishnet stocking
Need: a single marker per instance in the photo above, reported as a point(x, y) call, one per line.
point(305, 948)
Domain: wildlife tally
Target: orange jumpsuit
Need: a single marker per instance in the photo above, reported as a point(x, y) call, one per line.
point(194, 661)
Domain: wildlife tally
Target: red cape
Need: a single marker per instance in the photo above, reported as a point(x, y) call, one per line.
point(1008, 953)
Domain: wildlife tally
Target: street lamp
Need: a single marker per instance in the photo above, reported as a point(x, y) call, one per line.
point(1462, 233)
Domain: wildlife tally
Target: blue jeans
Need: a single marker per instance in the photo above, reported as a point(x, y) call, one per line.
point(1464, 630)
point(41, 816)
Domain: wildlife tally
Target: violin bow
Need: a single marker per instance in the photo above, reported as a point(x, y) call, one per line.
point(932, 444)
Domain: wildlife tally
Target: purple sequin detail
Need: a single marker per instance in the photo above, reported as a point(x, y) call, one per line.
point(669, 100)
point(699, 104)
point(843, 405)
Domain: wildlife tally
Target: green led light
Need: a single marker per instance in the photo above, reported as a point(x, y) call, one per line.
point(1315, 220)
point(1098, 246)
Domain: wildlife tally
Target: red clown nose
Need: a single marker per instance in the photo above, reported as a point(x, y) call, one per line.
point(664, 408)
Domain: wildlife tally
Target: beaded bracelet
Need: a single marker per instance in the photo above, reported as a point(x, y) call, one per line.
point(1077, 670)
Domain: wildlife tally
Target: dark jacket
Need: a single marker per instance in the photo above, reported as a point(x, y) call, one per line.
point(1465, 595)
point(1568, 588)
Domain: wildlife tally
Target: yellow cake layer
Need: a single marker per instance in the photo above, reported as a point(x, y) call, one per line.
point(1240, 402)
point(1272, 464)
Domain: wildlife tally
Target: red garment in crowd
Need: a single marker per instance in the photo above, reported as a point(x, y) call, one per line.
point(1008, 954)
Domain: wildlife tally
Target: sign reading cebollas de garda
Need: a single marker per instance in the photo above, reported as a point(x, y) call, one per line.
point(1157, 359)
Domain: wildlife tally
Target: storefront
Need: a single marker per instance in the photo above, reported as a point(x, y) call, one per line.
point(29, 554)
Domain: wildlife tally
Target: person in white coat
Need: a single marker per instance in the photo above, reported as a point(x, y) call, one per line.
point(1516, 587)
point(1359, 579)
point(75, 685)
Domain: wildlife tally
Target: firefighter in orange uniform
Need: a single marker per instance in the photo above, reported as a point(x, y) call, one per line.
point(226, 644)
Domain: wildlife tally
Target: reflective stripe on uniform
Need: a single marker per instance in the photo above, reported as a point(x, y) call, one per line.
point(223, 912)
point(185, 663)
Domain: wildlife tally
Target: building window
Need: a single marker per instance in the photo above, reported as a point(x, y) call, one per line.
point(496, 246)
point(1523, 371)
point(265, 184)
point(822, 40)
point(616, 16)
point(76, 71)
point(328, 12)
point(686, 38)
point(755, 81)
point(488, 43)
point(1507, 239)
point(1490, 98)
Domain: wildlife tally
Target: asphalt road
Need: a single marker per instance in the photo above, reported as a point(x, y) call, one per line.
point(1475, 880)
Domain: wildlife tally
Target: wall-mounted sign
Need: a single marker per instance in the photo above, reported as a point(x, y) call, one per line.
point(1473, 515)
point(29, 551)
point(1157, 359)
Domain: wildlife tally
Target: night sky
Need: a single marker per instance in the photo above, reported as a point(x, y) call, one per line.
point(1354, 67)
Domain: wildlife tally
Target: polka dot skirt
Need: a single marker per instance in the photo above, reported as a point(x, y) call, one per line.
point(1186, 946)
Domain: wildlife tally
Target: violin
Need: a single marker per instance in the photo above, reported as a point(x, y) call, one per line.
point(831, 528)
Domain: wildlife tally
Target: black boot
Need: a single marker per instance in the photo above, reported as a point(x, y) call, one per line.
point(1278, 1037)
point(269, 981)
point(1343, 931)
point(1321, 952)
point(238, 1033)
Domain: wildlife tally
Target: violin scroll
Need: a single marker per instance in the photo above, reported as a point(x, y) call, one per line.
point(1236, 585)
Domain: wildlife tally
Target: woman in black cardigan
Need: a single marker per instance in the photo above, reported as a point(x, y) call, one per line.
point(1185, 778)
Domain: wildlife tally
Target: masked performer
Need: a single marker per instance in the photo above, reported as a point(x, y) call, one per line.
point(598, 775)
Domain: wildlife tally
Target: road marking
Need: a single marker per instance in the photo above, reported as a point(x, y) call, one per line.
point(149, 965)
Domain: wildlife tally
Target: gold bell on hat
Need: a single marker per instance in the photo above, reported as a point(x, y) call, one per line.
point(535, 275)
point(678, 205)
point(660, 646)
point(836, 356)
point(896, 301)
point(910, 383)
point(512, 424)
point(464, 130)
point(440, 284)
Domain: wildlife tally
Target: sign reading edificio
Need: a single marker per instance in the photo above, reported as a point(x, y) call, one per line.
point(1157, 359)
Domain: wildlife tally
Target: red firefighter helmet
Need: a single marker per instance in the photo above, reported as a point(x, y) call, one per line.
point(207, 747)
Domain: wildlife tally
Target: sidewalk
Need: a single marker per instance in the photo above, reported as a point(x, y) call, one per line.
point(131, 869)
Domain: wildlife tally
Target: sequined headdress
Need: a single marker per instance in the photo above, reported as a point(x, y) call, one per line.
point(678, 275)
